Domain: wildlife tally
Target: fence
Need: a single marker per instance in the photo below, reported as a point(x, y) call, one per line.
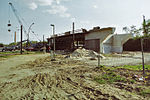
point(134, 58)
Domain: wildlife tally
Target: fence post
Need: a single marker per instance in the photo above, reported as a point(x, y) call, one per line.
point(98, 60)
point(142, 57)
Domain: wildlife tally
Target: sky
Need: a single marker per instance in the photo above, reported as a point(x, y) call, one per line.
point(85, 13)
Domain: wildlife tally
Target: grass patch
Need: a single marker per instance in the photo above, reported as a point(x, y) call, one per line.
point(132, 81)
point(109, 78)
point(8, 54)
point(3, 56)
point(145, 92)
point(135, 67)
point(18, 52)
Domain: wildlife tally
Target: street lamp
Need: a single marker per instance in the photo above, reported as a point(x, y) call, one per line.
point(29, 32)
point(53, 40)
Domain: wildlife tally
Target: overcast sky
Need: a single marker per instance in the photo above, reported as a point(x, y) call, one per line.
point(85, 13)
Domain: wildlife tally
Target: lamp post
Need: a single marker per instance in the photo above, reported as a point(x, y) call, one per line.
point(29, 32)
point(53, 41)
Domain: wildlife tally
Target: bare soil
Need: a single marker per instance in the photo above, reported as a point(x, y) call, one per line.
point(127, 58)
point(63, 79)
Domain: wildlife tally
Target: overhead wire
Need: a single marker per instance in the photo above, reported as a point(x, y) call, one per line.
point(18, 16)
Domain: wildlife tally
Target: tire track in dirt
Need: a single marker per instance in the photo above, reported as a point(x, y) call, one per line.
point(63, 79)
point(7, 65)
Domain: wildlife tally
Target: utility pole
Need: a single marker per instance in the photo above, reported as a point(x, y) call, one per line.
point(142, 56)
point(21, 41)
point(144, 26)
point(53, 40)
point(73, 34)
point(144, 32)
point(99, 58)
point(44, 47)
point(43, 41)
point(15, 37)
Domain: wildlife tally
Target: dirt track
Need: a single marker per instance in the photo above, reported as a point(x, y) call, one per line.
point(7, 64)
point(63, 79)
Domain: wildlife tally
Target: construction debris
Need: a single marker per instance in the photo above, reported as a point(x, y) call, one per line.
point(84, 53)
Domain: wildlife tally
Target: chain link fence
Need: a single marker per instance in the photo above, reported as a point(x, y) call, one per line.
point(134, 58)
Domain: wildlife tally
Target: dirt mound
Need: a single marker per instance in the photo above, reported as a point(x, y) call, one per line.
point(84, 53)
point(63, 79)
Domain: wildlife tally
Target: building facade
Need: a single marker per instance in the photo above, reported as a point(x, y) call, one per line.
point(98, 39)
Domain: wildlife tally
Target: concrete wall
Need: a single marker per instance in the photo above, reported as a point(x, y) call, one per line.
point(119, 40)
point(107, 44)
point(114, 43)
point(107, 48)
point(101, 34)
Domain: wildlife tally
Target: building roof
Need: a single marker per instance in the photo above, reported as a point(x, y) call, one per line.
point(83, 31)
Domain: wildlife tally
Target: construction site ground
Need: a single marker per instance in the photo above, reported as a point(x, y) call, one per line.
point(36, 77)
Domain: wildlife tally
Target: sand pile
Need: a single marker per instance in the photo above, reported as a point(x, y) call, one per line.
point(84, 53)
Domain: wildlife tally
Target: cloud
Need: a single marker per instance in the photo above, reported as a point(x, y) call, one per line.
point(55, 6)
point(33, 6)
point(58, 1)
point(58, 9)
point(95, 6)
point(85, 22)
point(73, 19)
point(67, 15)
point(45, 2)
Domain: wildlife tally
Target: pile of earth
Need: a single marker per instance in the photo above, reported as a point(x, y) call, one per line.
point(84, 53)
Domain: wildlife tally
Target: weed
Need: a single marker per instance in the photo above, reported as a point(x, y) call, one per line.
point(132, 81)
point(135, 67)
point(100, 81)
point(109, 77)
point(145, 92)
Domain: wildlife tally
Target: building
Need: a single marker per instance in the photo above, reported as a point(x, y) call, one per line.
point(98, 39)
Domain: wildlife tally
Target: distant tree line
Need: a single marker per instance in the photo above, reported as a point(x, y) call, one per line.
point(143, 31)
point(134, 44)
point(1, 45)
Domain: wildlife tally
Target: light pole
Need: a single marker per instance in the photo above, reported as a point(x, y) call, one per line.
point(53, 40)
point(29, 32)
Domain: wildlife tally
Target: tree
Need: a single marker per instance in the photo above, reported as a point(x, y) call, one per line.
point(12, 44)
point(1, 45)
point(146, 27)
point(133, 30)
point(126, 29)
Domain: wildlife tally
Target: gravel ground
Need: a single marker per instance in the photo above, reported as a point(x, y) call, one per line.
point(121, 59)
